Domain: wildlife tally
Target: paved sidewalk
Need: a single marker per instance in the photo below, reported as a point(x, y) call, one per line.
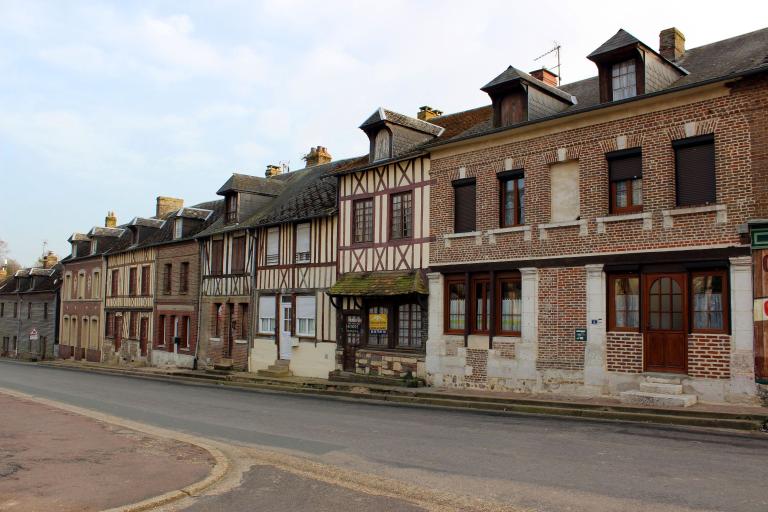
point(52, 459)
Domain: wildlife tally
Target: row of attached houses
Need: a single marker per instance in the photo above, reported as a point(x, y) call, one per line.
point(608, 236)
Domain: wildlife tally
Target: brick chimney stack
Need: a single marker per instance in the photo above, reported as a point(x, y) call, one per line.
point(426, 113)
point(166, 205)
point(50, 259)
point(273, 170)
point(545, 76)
point(671, 44)
point(317, 156)
point(110, 221)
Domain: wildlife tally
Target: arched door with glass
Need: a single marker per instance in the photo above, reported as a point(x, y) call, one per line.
point(665, 322)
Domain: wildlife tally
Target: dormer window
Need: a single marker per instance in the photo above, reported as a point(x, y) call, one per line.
point(624, 80)
point(382, 145)
point(93, 246)
point(74, 249)
point(178, 229)
point(231, 208)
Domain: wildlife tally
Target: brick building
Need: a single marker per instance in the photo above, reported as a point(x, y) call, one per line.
point(590, 238)
point(29, 307)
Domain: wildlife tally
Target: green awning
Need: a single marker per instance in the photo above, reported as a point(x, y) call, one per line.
point(380, 284)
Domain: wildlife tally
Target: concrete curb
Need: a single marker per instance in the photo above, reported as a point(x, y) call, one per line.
point(481, 404)
point(221, 464)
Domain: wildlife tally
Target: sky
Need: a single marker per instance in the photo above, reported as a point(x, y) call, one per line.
point(107, 105)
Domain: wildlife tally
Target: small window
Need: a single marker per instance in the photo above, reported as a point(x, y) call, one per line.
point(184, 277)
point(167, 273)
point(709, 301)
point(94, 247)
point(132, 278)
point(626, 177)
point(624, 80)
point(267, 314)
point(512, 200)
point(114, 286)
point(302, 243)
point(624, 302)
point(382, 145)
point(217, 257)
point(509, 301)
point(695, 171)
point(456, 295)
point(238, 255)
point(305, 315)
point(464, 206)
point(409, 326)
point(178, 228)
point(401, 208)
point(231, 215)
point(273, 246)
point(363, 220)
point(145, 281)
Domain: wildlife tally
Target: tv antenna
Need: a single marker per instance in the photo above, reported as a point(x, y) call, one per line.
point(556, 51)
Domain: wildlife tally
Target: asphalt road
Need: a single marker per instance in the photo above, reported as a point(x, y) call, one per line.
point(545, 463)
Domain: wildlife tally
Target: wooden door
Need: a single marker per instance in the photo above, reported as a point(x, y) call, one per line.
point(352, 326)
point(666, 322)
point(143, 335)
point(286, 327)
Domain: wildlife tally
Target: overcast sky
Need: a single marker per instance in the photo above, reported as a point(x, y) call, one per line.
point(104, 106)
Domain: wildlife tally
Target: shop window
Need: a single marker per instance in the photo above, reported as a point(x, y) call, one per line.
point(409, 326)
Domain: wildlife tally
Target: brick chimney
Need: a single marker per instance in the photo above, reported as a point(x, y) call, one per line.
point(426, 113)
point(671, 44)
point(545, 76)
point(50, 259)
point(317, 156)
point(273, 170)
point(166, 205)
point(110, 221)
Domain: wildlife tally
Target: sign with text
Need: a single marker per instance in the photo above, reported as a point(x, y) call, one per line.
point(377, 323)
point(761, 309)
point(580, 335)
point(33, 335)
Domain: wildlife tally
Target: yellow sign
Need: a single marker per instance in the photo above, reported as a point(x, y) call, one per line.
point(377, 322)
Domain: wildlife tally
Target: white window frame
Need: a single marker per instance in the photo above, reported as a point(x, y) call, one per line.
point(267, 314)
point(303, 242)
point(625, 75)
point(306, 315)
point(178, 228)
point(273, 246)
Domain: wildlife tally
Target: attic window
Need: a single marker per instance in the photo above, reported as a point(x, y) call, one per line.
point(74, 249)
point(93, 246)
point(382, 147)
point(231, 208)
point(178, 229)
point(624, 80)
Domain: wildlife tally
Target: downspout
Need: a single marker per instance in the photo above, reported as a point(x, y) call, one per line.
point(18, 328)
point(492, 312)
point(467, 309)
point(199, 301)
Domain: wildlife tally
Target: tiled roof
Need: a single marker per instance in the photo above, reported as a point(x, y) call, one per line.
point(253, 184)
point(380, 284)
point(383, 114)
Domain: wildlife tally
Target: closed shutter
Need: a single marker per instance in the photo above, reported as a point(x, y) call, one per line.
point(305, 315)
point(628, 167)
point(464, 207)
point(238, 255)
point(273, 246)
point(302, 242)
point(266, 313)
point(695, 169)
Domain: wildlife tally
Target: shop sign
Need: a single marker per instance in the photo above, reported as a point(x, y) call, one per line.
point(377, 323)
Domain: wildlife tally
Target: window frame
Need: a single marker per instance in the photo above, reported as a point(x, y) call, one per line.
point(485, 280)
point(414, 335)
point(405, 217)
point(518, 218)
point(631, 207)
point(458, 184)
point(507, 277)
point(238, 254)
point(305, 334)
point(303, 257)
point(611, 296)
point(368, 212)
point(178, 228)
point(217, 257)
point(232, 205)
point(631, 60)
point(272, 259)
point(701, 140)
point(273, 318)
point(448, 281)
point(725, 329)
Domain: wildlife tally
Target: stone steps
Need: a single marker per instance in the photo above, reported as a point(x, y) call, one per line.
point(281, 368)
point(639, 397)
point(661, 388)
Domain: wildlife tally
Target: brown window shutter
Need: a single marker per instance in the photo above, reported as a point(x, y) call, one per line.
point(464, 206)
point(695, 171)
point(625, 166)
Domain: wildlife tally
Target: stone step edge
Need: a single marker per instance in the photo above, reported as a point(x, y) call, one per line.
point(714, 419)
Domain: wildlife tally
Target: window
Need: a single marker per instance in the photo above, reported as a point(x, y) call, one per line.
point(115, 281)
point(512, 199)
point(709, 301)
point(218, 312)
point(624, 80)
point(217, 257)
point(305, 315)
point(382, 145)
point(238, 254)
point(185, 332)
point(564, 182)
point(107, 326)
point(68, 286)
point(273, 246)
point(665, 308)
point(167, 269)
point(624, 302)
point(161, 330)
point(401, 208)
point(231, 208)
point(267, 314)
point(695, 171)
point(94, 244)
point(184, 277)
point(302, 243)
point(132, 324)
point(362, 220)
point(45, 311)
point(29, 310)
point(464, 206)
point(481, 305)
point(509, 306)
point(145, 280)
point(378, 326)
point(456, 296)
point(625, 172)
point(96, 285)
point(178, 228)
point(409, 326)
point(81, 285)
point(244, 321)
point(132, 277)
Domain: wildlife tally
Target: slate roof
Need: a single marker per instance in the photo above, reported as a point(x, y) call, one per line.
point(48, 280)
point(620, 39)
point(383, 114)
point(103, 231)
point(380, 284)
point(512, 74)
point(209, 212)
point(150, 223)
point(253, 184)
point(193, 213)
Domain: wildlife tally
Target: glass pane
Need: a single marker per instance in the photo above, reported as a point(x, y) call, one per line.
point(621, 194)
point(637, 191)
point(665, 282)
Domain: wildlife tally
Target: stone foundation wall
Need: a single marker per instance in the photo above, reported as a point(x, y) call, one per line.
point(389, 364)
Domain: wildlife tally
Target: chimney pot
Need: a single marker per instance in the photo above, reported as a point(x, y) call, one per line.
point(671, 44)
point(166, 205)
point(317, 156)
point(110, 221)
point(426, 113)
point(545, 76)
point(272, 170)
point(50, 259)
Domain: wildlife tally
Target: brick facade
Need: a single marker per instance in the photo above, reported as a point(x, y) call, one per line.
point(562, 309)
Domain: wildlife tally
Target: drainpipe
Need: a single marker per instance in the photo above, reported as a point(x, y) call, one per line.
point(200, 244)
point(18, 328)
point(467, 308)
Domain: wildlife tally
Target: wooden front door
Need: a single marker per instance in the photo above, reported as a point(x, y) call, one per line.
point(666, 322)
point(353, 325)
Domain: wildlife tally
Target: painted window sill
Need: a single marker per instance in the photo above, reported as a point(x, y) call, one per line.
point(581, 223)
point(720, 210)
point(477, 235)
point(526, 230)
point(646, 217)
